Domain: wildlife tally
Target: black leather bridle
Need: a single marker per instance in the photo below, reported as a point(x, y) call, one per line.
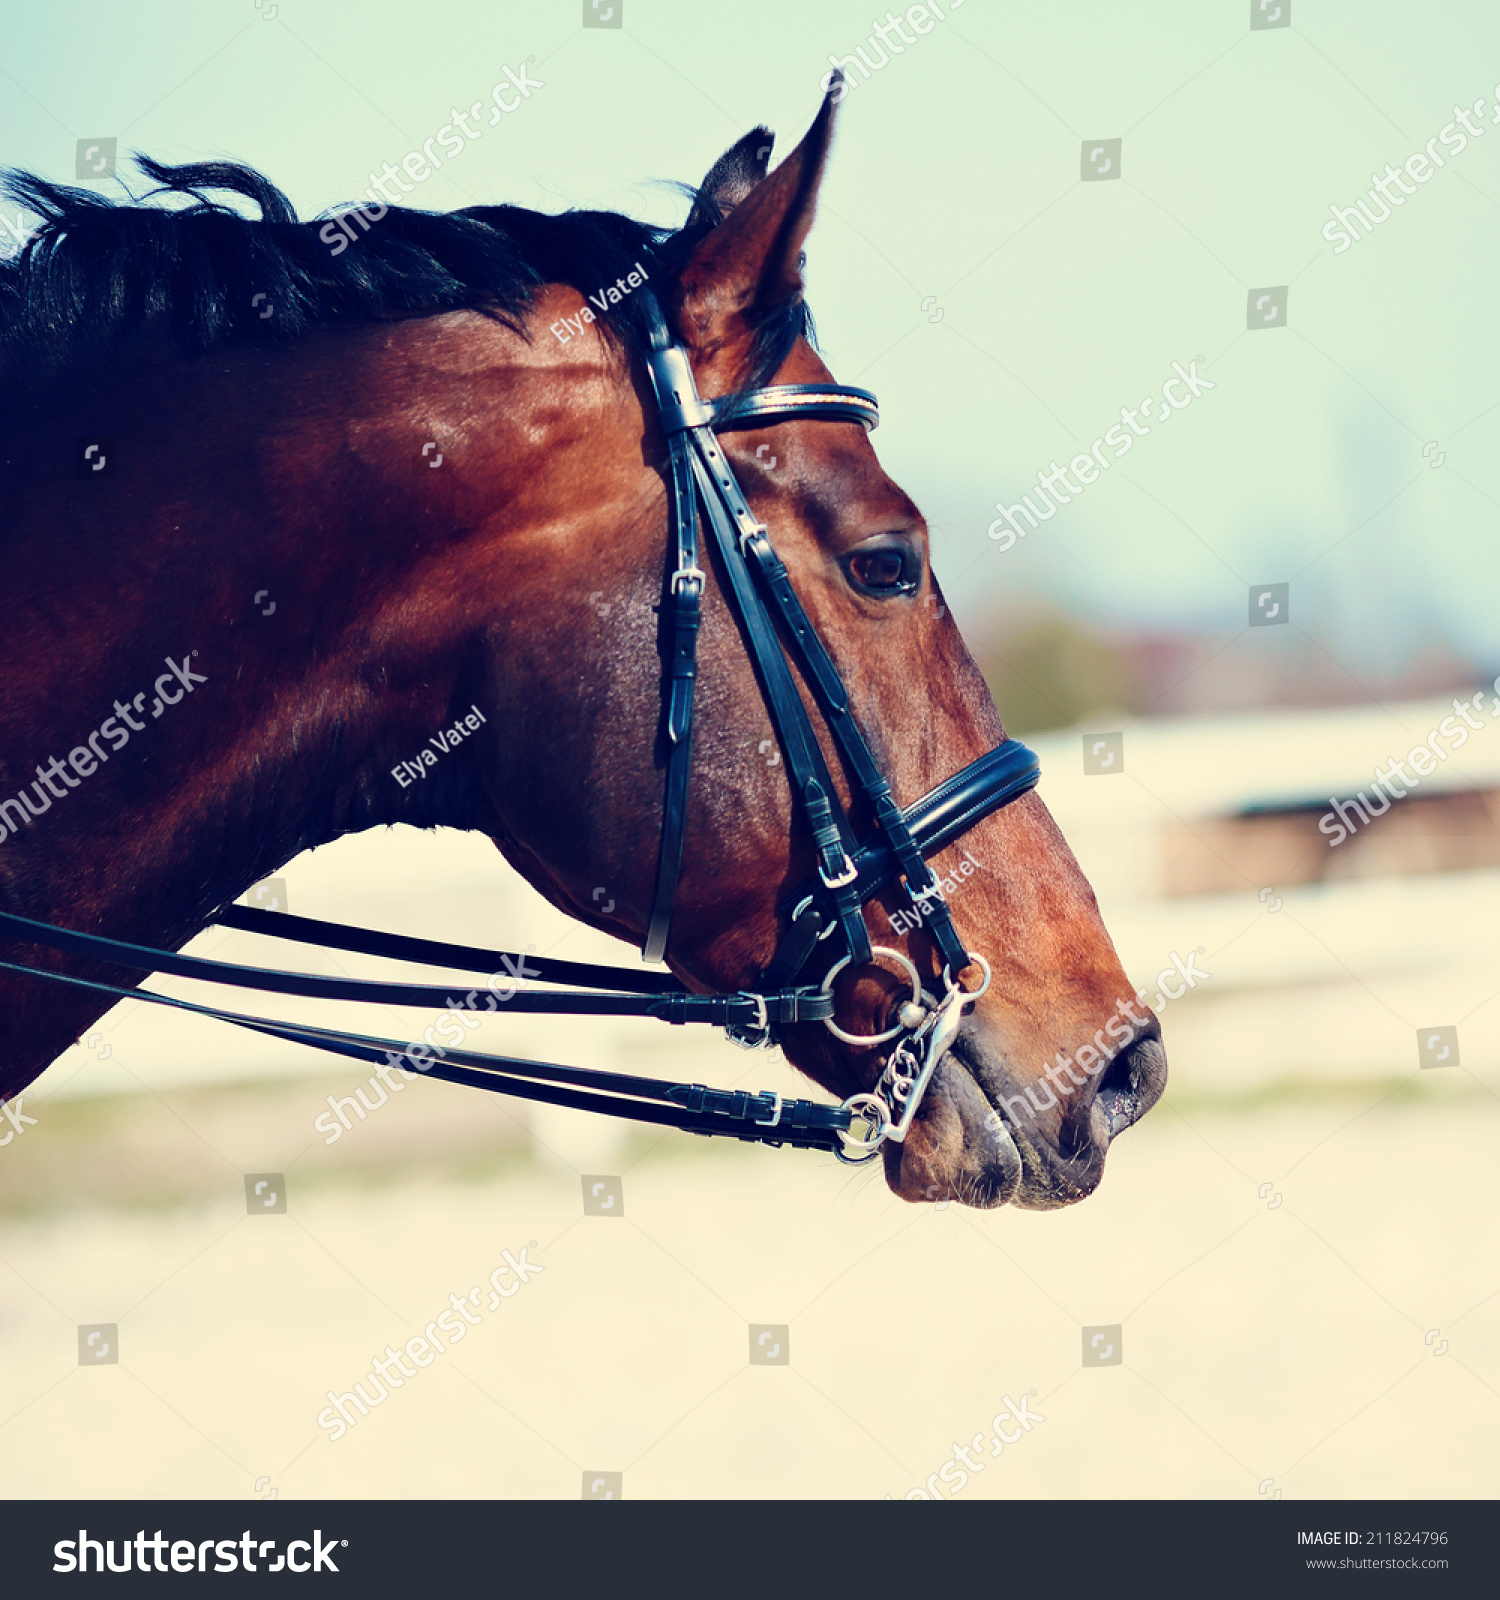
point(827, 912)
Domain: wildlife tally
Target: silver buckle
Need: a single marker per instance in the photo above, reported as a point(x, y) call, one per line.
point(775, 1120)
point(686, 574)
point(848, 875)
point(751, 1035)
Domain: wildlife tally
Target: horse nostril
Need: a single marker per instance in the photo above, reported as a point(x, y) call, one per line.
point(1117, 1096)
point(1123, 1092)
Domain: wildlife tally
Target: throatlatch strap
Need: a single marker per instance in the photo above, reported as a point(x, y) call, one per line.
point(685, 609)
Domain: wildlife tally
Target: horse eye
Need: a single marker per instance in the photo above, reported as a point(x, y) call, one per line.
point(882, 572)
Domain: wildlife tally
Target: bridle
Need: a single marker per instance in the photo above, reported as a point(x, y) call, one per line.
point(826, 914)
point(760, 591)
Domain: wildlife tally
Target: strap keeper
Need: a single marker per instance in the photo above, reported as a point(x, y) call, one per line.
point(678, 404)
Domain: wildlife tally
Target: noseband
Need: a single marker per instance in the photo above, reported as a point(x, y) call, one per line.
point(826, 914)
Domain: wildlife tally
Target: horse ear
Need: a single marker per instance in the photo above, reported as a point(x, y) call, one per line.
point(749, 267)
point(730, 180)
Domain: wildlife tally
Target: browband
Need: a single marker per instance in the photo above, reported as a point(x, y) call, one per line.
point(834, 402)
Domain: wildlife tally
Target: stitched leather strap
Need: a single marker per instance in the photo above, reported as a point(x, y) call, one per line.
point(720, 1010)
point(728, 517)
point(684, 604)
point(830, 402)
point(942, 815)
point(921, 886)
point(760, 1119)
point(438, 953)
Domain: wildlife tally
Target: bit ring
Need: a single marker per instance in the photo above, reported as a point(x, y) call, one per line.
point(890, 1033)
point(975, 959)
point(874, 1111)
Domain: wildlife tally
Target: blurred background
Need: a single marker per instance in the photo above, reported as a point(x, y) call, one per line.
point(1247, 614)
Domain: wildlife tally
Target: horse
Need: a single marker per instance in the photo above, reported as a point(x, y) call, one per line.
point(328, 488)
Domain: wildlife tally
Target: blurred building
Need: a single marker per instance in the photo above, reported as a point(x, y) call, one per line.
point(1327, 957)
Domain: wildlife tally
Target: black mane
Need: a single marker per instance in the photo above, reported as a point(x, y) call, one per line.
point(96, 270)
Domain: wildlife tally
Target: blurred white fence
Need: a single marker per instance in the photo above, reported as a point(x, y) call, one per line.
point(1329, 979)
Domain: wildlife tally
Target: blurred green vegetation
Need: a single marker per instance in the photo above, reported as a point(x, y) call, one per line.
point(1048, 673)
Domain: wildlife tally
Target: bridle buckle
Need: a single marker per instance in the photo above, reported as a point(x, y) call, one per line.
point(756, 530)
point(847, 876)
point(754, 1035)
point(776, 1113)
point(687, 575)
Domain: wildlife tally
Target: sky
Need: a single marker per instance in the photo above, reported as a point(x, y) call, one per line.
point(1004, 307)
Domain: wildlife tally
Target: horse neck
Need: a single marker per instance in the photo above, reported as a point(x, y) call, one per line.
point(271, 520)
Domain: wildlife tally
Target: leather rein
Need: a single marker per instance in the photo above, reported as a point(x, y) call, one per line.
point(828, 911)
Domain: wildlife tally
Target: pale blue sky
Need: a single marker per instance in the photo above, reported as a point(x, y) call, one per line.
point(956, 176)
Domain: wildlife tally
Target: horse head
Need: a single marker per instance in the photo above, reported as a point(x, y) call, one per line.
point(459, 498)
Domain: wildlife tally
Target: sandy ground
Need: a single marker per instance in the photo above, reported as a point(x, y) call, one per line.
point(1335, 1335)
point(1271, 1343)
